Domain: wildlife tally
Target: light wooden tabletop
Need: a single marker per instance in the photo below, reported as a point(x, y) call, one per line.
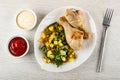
point(27, 68)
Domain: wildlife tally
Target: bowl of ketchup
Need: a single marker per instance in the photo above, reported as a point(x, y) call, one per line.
point(18, 46)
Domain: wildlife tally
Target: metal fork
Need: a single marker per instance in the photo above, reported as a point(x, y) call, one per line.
point(106, 24)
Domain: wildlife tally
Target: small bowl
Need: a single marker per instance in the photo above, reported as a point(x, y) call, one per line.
point(35, 22)
point(24, 52)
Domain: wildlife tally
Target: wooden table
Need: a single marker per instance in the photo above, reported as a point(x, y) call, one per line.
point(27, 68)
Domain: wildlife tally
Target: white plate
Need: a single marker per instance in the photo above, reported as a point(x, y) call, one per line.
point(82, 55)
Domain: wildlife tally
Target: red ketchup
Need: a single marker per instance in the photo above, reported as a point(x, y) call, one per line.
point(17, 46)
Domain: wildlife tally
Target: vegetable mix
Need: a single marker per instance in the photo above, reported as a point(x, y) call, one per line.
point(54, 46)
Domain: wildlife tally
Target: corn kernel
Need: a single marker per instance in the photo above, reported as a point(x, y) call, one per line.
point(47, 44)
point(51, 28)
point(59, 41)
point(43, 35)
point(51, 37)
point(71, 59)
point(46, 60)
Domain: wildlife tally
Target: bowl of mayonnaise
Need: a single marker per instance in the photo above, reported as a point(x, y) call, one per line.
point(26, 19)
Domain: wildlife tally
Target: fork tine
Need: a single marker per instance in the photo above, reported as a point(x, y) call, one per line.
point(110, 17)
point(105, 15)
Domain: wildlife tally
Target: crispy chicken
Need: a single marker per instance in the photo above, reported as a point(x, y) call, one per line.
point(74, 37)
point(76, 19)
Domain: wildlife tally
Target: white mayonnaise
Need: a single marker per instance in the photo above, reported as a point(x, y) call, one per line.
point(26, 19)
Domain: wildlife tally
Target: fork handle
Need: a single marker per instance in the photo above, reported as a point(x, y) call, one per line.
point(101, 51)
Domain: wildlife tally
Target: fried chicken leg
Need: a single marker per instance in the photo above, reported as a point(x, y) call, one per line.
point(74, 37)
point(76, 19)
